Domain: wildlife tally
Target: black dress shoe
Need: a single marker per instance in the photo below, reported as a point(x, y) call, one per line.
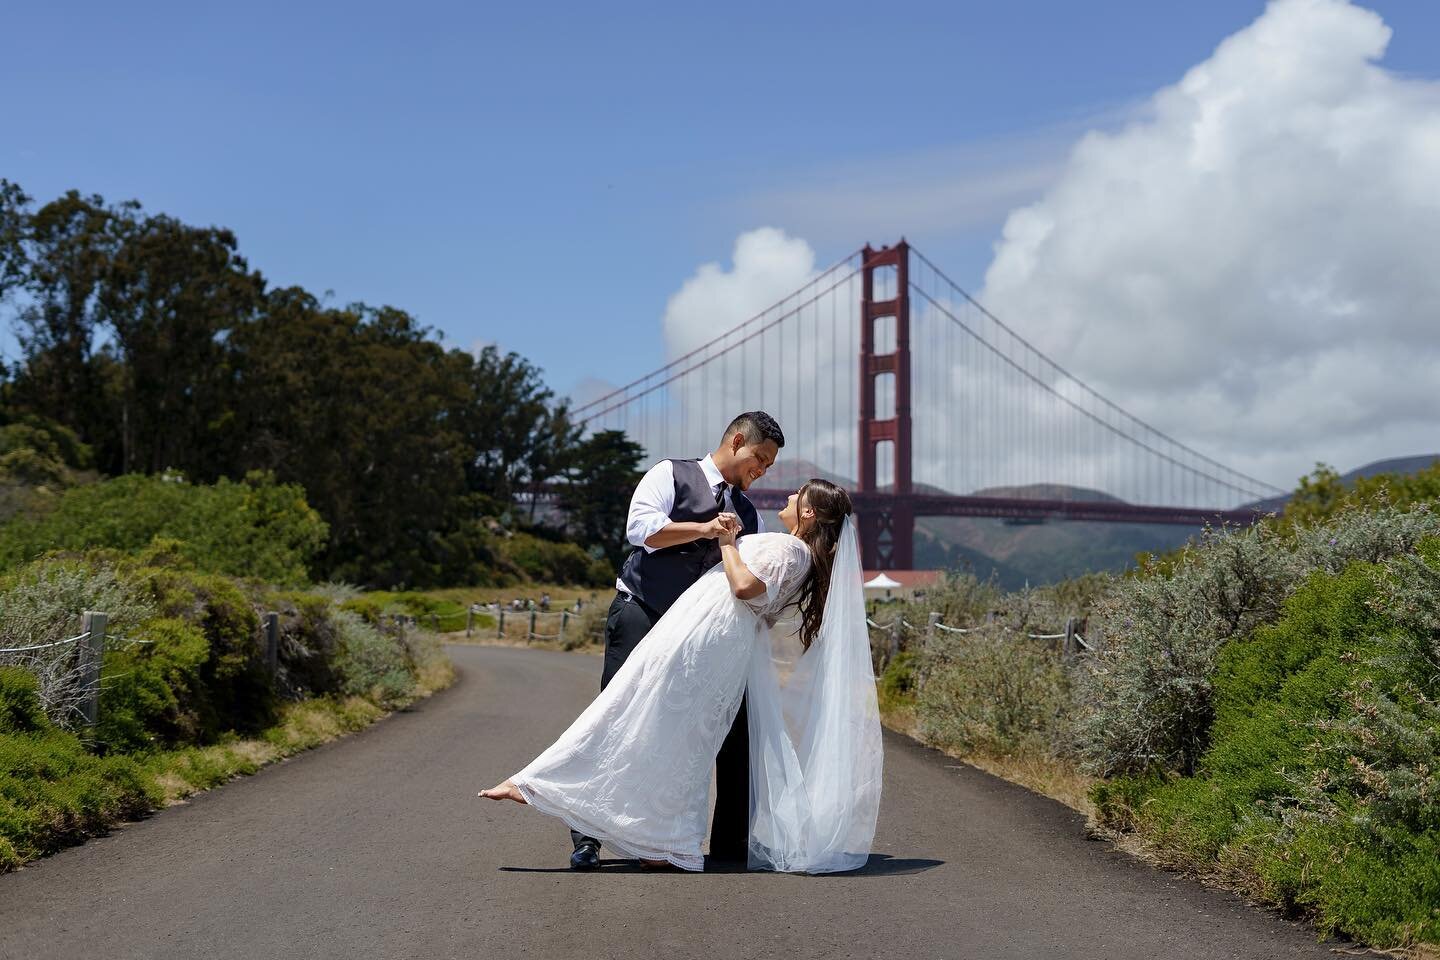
point(585, 857)
point(729, 854)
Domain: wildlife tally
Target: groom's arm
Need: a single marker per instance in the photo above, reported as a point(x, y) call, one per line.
point(649, 525)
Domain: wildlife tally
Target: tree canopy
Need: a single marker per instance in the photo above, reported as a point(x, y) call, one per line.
point(154, 347)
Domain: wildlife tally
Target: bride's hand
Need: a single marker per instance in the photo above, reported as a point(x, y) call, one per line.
point(729, 530)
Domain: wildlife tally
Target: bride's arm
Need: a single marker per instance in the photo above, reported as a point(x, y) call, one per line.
point(743, 584)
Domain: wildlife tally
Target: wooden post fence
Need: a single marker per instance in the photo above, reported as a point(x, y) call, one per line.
point(92, 622)
point(272, 641)
point(531, 635)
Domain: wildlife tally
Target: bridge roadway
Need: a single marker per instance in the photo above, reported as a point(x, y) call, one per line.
point(1026, 508)
point(376, 846)
point(1009, 508)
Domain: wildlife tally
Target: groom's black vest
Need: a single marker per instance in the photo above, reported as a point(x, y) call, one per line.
point(660, 577)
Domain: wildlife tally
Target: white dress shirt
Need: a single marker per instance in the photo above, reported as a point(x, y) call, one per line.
point(654, 498)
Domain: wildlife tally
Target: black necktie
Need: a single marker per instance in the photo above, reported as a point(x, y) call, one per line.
point(720, 494)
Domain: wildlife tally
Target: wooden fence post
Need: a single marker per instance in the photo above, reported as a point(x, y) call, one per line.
point(894, 638)
point(563, 616)
point(469, 619)
point(500, 629)
point(272, 641)
point(92, 654)
point(531, 635)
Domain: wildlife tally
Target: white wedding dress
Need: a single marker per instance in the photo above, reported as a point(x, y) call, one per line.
point(634, 769)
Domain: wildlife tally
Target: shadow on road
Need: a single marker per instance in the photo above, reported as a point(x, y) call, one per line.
point(883, 865)
point(879, 865)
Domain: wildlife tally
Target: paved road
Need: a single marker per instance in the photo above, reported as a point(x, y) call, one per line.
point(376, 846)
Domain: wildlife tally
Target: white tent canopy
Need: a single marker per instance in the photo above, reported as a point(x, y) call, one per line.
point(881, 582)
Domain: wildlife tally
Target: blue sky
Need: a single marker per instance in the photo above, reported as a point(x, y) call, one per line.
point(545, 177)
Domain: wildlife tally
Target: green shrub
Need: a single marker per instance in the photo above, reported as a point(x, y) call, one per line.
point(153, 692)
point(253, 528)
point(900, 681)
point(20, 710)
point(433, 613)
point(238, 692)
point(548, 561)
point(53, 793)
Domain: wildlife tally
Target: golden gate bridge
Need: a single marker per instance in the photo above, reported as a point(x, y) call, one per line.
point(889, 378)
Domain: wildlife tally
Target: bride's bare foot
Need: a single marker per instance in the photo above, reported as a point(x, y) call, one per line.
point(656, 864)
point(505, 791)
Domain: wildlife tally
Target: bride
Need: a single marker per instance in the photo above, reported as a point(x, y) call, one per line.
point(634, 768)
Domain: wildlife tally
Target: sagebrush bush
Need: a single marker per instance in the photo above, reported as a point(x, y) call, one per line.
point(309, 640)
point(41, 603)
point(1146, 699)
point(590, 630)
point(369, 662)
point(995, 691)
point(1319, 786)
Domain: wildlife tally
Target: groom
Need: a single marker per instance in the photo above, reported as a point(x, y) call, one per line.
point(675, 520)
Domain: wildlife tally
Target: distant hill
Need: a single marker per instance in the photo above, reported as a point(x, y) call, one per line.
point(1393, 465)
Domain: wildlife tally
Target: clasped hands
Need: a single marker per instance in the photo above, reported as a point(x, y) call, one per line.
point(726, 528)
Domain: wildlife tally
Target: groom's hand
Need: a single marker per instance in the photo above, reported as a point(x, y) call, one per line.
point(730, 528)
point(715, 529)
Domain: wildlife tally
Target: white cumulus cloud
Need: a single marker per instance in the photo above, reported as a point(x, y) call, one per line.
point(1251, 266)
point(786, 361)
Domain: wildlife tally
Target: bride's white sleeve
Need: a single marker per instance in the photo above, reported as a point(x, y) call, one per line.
point(779, 563)
point(815, 751)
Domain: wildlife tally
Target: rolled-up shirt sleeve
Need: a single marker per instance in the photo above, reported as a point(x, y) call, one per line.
point(651, 504)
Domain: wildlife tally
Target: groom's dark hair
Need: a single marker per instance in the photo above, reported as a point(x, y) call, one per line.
point(758, 426)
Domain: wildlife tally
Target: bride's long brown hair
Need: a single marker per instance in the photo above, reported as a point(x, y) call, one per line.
point(831, 505)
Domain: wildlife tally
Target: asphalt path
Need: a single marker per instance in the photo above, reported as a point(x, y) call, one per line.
point(376, 846)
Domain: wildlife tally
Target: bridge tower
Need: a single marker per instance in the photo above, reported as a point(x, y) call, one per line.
point(887, 525)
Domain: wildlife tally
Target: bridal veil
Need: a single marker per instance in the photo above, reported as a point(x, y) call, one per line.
point(815, 750)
